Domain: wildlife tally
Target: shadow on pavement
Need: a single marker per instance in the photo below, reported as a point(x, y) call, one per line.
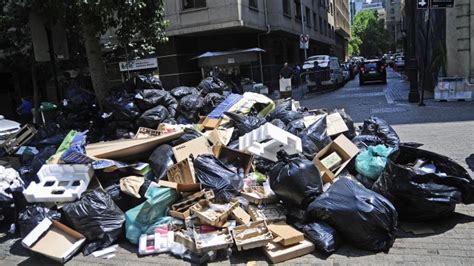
point(424, 229)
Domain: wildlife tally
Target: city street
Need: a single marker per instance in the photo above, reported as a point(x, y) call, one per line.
point(443, 127)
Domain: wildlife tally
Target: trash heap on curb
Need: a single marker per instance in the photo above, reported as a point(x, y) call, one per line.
point(201, 173)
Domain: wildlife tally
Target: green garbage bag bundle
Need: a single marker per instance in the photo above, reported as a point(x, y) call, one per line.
point(371, 162)
point(145, 217)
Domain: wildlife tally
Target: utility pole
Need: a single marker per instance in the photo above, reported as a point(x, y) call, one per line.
point(303, 27)
point(412, 66)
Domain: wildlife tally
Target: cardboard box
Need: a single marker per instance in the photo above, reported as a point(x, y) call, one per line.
point(211, 123)
point(181, 210)
point(220, 136)
point(54, 240)
point(271, 213)
point(216, 240)
point(180, 188)
point(335, 124)
point(213, 216)
point(285, 234)
point(344, 148)
point(237, 158)
point(144, 132)
point(182, 172)
point(241, 216)
point(251, 235)
point(195, 147)
point(127, 149)
point(277, 253)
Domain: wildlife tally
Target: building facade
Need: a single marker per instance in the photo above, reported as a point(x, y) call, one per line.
point(199, 26)
point(460, 40)
point(393, 23)
point(343, 28)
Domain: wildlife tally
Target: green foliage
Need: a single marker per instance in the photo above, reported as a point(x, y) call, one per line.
point(369, 36)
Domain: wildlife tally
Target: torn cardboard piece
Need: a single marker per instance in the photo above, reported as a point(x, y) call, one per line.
point(54, 240)
point(195, 147)
point(335, 124)
point(126, 148)
point(251, 235)
point(277, 253)
point(182, 172)
point(180, 188)
point(344, 148)
point(241, 216)
point(220, 136)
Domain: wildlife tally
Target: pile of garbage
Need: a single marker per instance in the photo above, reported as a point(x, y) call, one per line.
point(208, 173)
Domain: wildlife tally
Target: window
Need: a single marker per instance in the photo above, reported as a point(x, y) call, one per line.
point(286, 7)
point(392, 11)
point(298, 10)
point(330, 9)
point(308, 17)
point(315, 22)
point(321, 25)
point(253, 4)
point(191, 4)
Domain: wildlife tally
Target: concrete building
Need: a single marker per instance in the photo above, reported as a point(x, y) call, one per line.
point(356, 6)
point(460, 40)
point(393, 22)
point(199, 26)
point(343, 28)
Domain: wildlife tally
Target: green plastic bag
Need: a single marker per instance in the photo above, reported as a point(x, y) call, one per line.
point(371, 162)
point(145, 217)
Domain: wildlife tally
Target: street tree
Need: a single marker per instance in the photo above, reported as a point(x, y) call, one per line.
point(137, 26)
point(369, 36)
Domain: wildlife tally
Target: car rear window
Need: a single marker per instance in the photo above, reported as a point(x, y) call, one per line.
point(368, 65)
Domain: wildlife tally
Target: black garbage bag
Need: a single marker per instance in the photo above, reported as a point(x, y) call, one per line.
point(378, 127)
point(161, 160)
point(42, 157)
point(122, 104)
point(364, 218)
point(153, 117)
point(211, 101)
point(143, 82)
point(189, 134)
point(233, 144)
point(215, 175)
point(190, 107)
point(148, 99)
point(284, 113)
point(419, 195)
point(295, 127)
point(180, 92)
point(245, 124)
point(365, 181)
point(211, 84)
point(278, 123)
point(30, 217)
point(351, 133)
point(55, 140)
point(364, 141)
point(323, 236)
point(262, 165)
point(78, 98)
point(97, 217)
point(314, 138)
point(295, 180)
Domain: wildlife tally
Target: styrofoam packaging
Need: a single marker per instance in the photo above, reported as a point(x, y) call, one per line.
point(59, 183)
point(267, 140)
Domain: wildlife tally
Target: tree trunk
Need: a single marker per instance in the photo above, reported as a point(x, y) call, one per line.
point(95, 61)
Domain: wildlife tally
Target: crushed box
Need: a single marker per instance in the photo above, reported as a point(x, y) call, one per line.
point(251, 235)
point(241, 216)
point(212, 213)
point(270, 213)
point(285, 234)
point(237, 158)
point(193, 147)
point(181, 210)
point(54, 240)
point(277, 253)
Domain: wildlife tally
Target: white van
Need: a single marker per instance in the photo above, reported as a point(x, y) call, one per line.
point(335, 78)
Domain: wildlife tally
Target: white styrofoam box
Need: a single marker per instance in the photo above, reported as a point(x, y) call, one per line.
point(267, 140)
point(449, 95)
point(59, 183)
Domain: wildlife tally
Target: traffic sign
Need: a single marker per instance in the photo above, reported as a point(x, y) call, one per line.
point(304, 41)
point(422, 4)
point(442, 3)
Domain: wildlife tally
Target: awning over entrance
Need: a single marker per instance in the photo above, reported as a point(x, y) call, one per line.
point(344, 34)
point(234, 57)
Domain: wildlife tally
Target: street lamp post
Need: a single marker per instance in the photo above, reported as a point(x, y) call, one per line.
point(412, 66)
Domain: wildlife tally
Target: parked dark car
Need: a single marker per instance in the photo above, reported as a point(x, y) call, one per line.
point(372, 70)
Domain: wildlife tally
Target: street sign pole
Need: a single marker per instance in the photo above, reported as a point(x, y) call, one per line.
point(302, 29)
point(425, 59)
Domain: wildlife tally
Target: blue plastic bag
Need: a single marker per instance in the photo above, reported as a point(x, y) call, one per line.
point(371, 162)
point(145, 217)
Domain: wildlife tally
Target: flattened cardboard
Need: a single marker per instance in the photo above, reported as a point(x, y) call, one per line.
point(335, 124)
point(238, 158)
point(285, 234)
point(144, 132)
point(126, 148)
point(54, 240)
point(344, 148)
point(277, 253)
point(195, 147)
point(241, 216)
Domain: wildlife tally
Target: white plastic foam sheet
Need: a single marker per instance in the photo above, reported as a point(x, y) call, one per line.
point(267, 140)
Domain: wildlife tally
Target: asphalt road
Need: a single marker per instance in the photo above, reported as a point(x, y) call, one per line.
point(446, 128)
